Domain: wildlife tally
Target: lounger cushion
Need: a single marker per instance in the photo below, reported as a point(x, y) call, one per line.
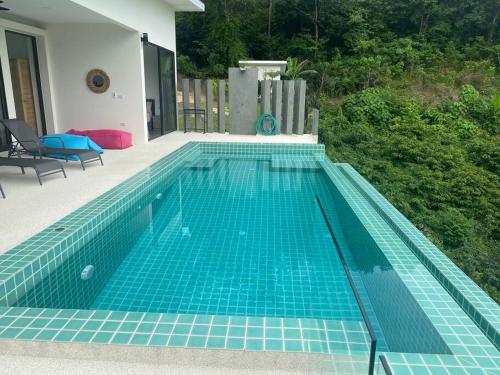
point(107, 138)
point(77, 142)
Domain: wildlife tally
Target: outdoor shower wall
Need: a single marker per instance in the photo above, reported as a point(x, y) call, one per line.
point(285, 100)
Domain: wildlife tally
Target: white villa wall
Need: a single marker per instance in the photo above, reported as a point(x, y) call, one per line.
point(154, 17)
point(77, 48)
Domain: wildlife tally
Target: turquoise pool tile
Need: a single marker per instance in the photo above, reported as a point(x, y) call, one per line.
point(28, 334)
point(177, 340)
point(197, 342)
point(292, 334)
point(46, 334)
point(255, 344)
point(102, 337)
point(164, 328)
point(255, 332)
point(75, 324)
point(128, 326)
point(218, 330)
point(255, 321)
point(110, 326)
point(140, 339)
point(84, 336)
point(159, 340)
point(65, 335)
point(121, 338)
point(235, 343)
point(10, 333)
point(216, 343)
point(182, 329)
point(146, 327)
point(273, 333)
point(293, 346)
point(186, 319)
point(273, 345)
point(93, 325)
point(236, 332)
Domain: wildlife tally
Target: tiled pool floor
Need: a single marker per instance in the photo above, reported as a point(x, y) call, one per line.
point(246, 248)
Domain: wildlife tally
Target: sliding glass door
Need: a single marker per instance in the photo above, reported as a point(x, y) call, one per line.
point(159, 71)
point(4, 135)
point(167, 90)
point(25, 76)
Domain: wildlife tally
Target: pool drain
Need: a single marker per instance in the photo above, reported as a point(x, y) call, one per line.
point(87, 272)
point(60, 229)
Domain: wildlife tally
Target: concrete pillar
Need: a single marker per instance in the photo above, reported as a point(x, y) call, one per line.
point(277, 103)
point(221, 100)
point(265, 95)
point(197, 104)
point(185, 101)
point(299, 107)
point(210, 104)
point(315, 124)
point(243, 95)
point(288, 103)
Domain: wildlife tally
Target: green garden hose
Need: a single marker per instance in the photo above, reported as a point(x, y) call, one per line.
point(261, 126)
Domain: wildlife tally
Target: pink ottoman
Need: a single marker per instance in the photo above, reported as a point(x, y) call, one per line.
point(107, 138)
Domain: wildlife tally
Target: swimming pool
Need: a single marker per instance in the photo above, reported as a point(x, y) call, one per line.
point(226, 247)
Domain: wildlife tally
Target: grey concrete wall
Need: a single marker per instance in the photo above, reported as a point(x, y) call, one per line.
point(221, 100)
point(277, 103)
point(210, 105)
point(288, 103)
point(243, 93)
point(185, 100)
point(265, 96)
point(299, 106)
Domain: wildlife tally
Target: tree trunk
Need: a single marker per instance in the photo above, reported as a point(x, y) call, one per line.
point(316, 21)
point(269, 18)
point(493, 27)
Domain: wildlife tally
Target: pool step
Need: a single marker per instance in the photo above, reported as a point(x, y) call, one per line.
point(202, 164)
point(294, 162)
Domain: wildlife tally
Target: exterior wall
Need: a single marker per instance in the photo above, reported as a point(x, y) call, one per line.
point(154, 17)
point(68, 51)
point(77, 48)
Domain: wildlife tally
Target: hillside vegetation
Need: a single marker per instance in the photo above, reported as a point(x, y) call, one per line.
point(409, 92)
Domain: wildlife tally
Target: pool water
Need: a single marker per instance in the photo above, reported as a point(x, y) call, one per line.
point(242, 237)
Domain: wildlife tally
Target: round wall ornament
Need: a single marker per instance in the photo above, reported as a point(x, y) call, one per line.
point(97, 81)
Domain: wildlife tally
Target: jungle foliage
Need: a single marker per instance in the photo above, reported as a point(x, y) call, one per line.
point(409, 92)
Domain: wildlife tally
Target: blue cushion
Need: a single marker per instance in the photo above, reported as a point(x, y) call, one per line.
point(70, 141)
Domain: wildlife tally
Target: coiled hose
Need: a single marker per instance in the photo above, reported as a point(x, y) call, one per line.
point(261, 127)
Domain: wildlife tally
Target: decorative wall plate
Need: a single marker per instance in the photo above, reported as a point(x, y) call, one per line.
point(98, 81)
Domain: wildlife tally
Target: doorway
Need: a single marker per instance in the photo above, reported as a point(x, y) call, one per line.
point(5, 139)
point(25, 76)
point(159, 76)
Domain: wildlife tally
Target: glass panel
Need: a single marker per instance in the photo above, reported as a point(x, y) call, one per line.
point(25, 80)
point(167, 91)
point(4, 136)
